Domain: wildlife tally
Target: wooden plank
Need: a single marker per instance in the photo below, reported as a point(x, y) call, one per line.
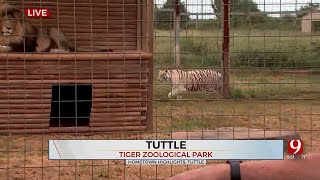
point(108, 114)
point(122, 59)
point(112, 124)
point(24, 116)
point(105, 17)
point(101, 110)
point(48, 96)
point(101, 107)
point(109, 59)
point(23, 126)
point(97, 81)
point(68, 14)
point(96, 100)
point(114, 28)
point(112, 24)
point(57, 74)
point(95, 77)
point(44, 123)
point(73, 56)
point(31, 113)
point(117, 116)
point(46, 109)
point(36, 107)
point(124, 67)
point(64, 2)
point(102, 119)
point(117, 48)
point(108, 44)
point(90, 37)
point(97, 30)
point(13, 111)
point(77, 66)
point(68, 130)
point(105, 117)
point(97, 107)
point(23, 121)
point(43, 86)
point(96, 92)
point(49, 91)
point(71, 4)
point(87, 67)
point(80, 8)
point(110, 2)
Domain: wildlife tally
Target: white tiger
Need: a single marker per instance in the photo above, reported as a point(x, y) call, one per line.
point(192, 80)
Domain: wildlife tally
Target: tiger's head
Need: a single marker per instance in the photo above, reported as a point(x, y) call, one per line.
point(163, 75)
point(11, 23)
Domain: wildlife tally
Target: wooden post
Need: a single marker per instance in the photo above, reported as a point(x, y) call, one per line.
point(149, 48)
point(225, 47)
point(139, 24)
point(177, 19)
point(197, 22)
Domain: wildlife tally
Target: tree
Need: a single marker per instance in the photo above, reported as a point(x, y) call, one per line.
point(243, 7)
point(164, 15)
point(306, 9)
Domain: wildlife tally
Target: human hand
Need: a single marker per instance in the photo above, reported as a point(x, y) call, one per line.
point(212, 172)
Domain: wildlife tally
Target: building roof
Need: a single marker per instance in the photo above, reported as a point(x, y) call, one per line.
point(316, 11)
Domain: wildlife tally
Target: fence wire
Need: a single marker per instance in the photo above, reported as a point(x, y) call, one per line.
point(274, 80)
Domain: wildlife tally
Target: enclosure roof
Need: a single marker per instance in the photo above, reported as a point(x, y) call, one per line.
point(316, 11)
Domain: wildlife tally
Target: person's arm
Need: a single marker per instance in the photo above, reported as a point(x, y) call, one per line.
point(262, 170)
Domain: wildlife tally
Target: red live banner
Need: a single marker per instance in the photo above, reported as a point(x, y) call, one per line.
point(37, 12)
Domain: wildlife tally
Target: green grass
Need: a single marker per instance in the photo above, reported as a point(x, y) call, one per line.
point(190, 124)
point(248, 48)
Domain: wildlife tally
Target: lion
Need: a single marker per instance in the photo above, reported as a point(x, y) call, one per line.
point(18, 35)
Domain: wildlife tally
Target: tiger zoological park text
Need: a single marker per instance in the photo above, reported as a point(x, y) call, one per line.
point(167, 154)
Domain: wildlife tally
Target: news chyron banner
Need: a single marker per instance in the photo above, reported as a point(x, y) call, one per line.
point(166, 152)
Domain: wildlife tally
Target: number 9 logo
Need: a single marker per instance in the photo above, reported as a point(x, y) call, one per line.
point(295, 147)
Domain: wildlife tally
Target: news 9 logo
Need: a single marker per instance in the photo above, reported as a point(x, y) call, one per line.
point(295, 147)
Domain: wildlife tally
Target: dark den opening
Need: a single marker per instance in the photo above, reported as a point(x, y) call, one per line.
point(74, 103)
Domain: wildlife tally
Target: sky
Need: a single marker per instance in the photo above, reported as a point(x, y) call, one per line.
point(203, 6)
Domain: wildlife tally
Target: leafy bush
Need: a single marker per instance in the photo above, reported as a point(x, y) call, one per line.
point(236, 93)
point(204, 24)
point(266, 58)
point(188, 61)
point(196, 45)
point(276, 57)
